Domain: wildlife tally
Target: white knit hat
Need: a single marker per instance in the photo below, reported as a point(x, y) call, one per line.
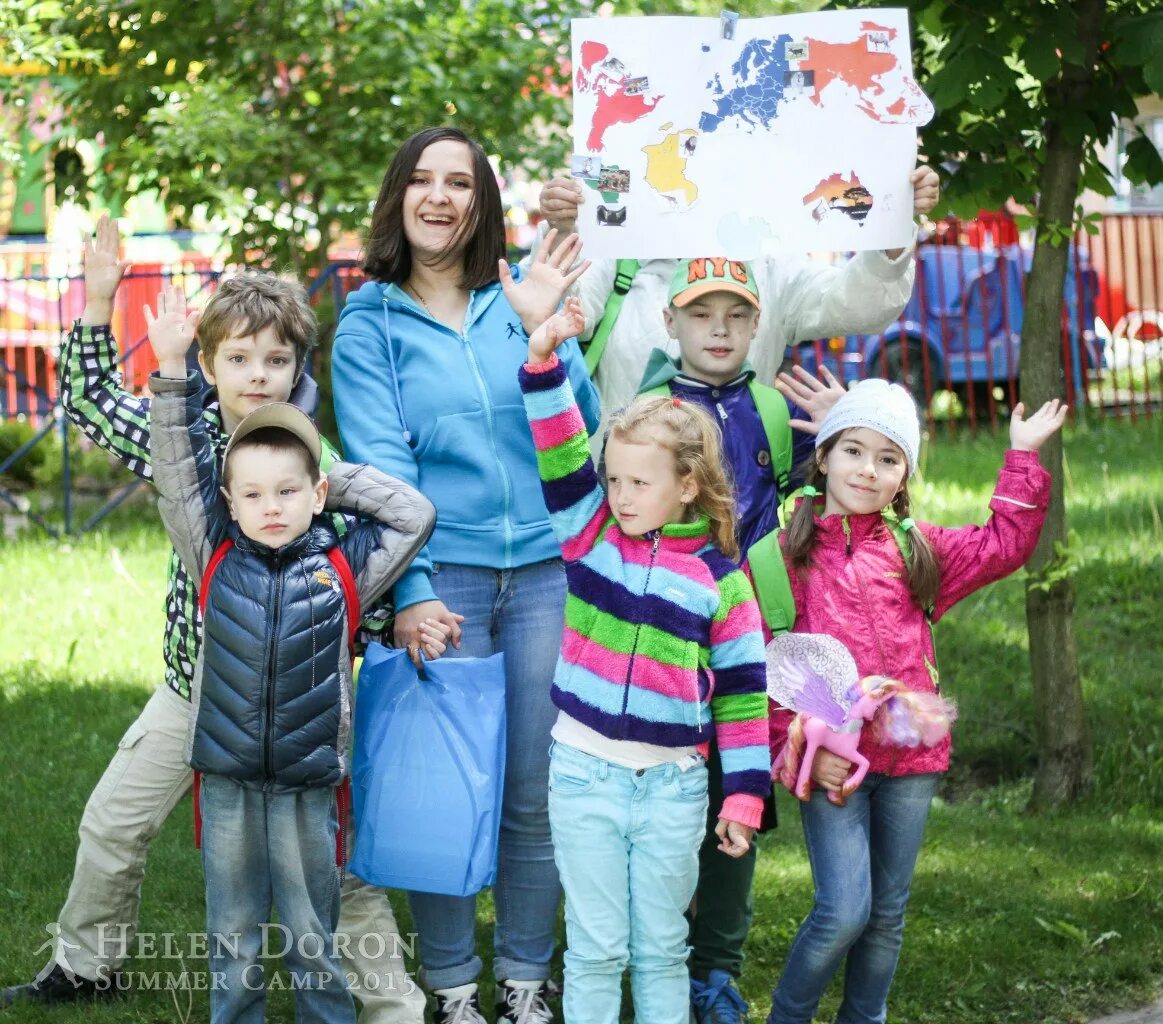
point(881, 406)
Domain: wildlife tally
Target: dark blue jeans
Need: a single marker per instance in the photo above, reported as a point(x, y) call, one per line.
point(518, 611)
point(862, 856)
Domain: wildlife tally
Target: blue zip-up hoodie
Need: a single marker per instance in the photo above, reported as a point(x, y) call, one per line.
point(443, 412)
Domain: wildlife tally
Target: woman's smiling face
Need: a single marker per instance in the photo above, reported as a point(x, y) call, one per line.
point(438, 201)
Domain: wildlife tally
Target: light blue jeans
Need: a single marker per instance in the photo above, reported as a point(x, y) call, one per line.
point(862, 856)
point(262, 849)
point(518, 611)
point(627, 846)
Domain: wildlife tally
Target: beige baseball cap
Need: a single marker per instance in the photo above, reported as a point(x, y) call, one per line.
point(283, 416)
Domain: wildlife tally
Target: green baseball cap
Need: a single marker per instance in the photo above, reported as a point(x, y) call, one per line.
point(707, 274)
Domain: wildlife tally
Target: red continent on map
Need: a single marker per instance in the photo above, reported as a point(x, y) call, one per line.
point(614, 106)
point(853, 63)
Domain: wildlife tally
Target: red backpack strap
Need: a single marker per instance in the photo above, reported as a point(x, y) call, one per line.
point(343, 814)
point(350, 592)
point(197, 810)
point(220, 553)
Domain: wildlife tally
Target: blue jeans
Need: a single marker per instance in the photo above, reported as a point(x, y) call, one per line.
point(260, 849)
point(627, 846)
point(518, 611)
point(862, 856)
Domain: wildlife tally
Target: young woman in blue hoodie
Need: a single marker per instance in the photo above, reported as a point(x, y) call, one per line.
point(424, 371)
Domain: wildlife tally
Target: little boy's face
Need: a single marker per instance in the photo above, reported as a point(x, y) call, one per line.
point(714, 334)
point(248, 371)
point(271, 495)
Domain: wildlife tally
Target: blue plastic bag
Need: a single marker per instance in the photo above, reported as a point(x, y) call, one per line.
point(428, 770)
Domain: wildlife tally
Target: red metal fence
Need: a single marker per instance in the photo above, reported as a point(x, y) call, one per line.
point(960, 334)
point(957, 344)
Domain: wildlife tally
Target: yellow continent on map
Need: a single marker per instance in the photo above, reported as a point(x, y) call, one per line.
point(666, 166)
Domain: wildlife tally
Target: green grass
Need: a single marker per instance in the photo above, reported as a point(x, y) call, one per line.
point(1013, 918)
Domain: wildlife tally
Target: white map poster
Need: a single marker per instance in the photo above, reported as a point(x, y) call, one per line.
point(794, 132)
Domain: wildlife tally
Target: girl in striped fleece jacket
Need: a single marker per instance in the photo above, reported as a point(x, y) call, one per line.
point(662, 650)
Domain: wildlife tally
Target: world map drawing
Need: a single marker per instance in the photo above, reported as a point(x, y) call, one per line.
point(800, 131)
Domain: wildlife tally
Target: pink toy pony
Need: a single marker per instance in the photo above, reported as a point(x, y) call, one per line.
point(814, 675)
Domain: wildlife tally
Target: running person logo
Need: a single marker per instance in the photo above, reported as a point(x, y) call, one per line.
point(58, 947)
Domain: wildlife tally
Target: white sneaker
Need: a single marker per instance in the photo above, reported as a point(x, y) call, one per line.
point(460, 1005)
point(523, 1002)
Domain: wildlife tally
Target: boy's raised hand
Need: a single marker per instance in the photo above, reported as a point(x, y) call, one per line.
point(559, 202)
point(535, 297)
point(566, 323)
point(103, 271)
point(815, 395)
point(1029, 435)
point(926, 189)
point(171, 332)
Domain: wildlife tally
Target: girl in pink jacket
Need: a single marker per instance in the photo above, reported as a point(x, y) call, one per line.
point(850, 580)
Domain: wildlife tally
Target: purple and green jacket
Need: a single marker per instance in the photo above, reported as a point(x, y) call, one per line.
point(663, 642)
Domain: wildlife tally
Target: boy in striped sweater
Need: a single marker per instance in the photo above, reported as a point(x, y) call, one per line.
point(662, 651)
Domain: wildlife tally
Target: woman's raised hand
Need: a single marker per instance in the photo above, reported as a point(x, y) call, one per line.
point(539, 292)
point(1029, 435)
point(566, 323)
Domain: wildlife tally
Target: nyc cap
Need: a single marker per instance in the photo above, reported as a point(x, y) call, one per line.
point(283, 416)
point(694, 278)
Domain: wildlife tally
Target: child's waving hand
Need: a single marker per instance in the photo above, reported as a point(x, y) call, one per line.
point(565, 323)
point(103, 271)
point(171, 332)
point(1029, 435)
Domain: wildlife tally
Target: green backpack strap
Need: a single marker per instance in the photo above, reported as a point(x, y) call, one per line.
point(623, 278)
point(904, 542)
point(772, 585)
point(774, 415)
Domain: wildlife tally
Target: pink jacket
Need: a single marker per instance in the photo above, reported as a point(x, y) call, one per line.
point(856, 592)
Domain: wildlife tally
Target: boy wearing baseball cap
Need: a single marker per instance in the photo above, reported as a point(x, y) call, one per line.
point(713, 313)
point(280, 592)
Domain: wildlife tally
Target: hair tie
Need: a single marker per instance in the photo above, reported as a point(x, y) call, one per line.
point(675, 402)
point(809, 491)
point(907, 524)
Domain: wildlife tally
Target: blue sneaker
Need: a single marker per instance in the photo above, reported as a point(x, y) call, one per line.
point(717, 1000)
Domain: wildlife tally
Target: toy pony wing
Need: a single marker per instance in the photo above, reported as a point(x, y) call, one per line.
point(812, 673)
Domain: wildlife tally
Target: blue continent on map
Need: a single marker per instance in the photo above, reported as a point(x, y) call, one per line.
point(756, 88)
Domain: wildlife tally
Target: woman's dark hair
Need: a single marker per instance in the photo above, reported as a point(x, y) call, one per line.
point(923, 568)
point(387, 255)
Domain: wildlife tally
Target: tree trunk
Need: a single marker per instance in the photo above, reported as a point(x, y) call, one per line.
point(1064, 749)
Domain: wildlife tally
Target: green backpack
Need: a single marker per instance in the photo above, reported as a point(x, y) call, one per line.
point(773, 587)
point(774, 415)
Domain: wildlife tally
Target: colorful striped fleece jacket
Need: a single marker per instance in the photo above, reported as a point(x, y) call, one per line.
point(662, 633)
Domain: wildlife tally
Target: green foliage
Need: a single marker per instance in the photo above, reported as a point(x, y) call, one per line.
point(285, 116)
point(1004, 78)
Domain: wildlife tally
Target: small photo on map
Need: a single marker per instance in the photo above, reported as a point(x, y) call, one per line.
point(728, 21)
point(795, 83)
point(611, 216)
point(635, 86)
point(614, 179)
point(689, 144)
point(583, 166)
point(878, 42)
point(796, 51)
